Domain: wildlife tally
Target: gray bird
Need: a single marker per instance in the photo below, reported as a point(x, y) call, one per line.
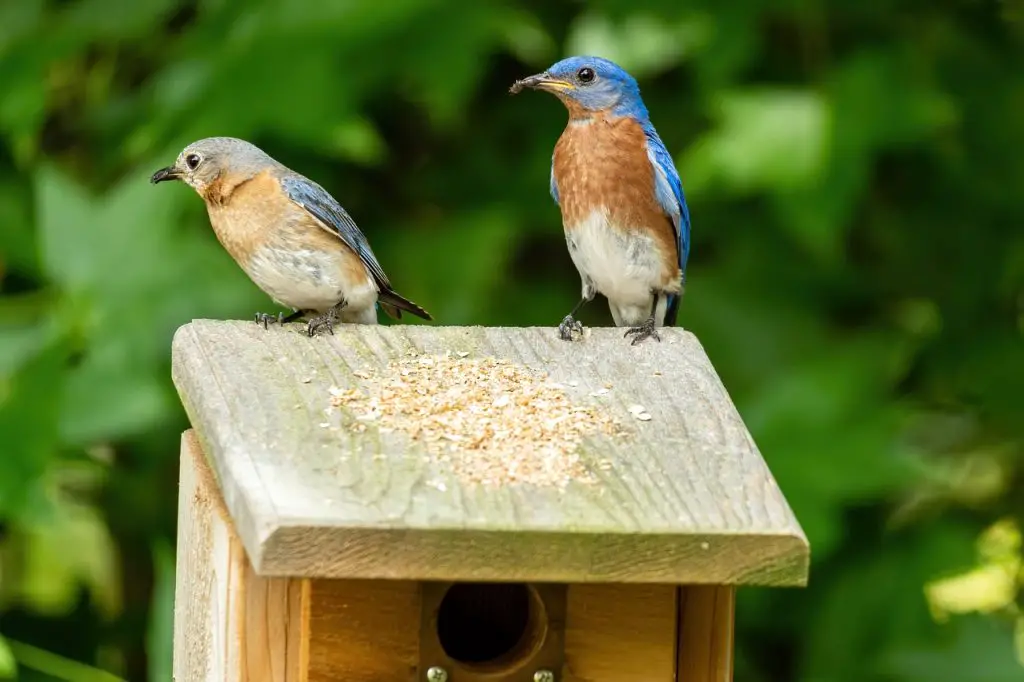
point(289, 235)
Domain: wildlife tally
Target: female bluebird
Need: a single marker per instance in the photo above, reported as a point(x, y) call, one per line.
point(290, 236)
point(625, 218)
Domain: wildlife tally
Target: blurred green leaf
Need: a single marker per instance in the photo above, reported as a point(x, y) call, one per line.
point(58, 667)
point(71, 550)
point(8, 666)
point(29, 411)
point(113, 19)
point(765, 140)
point(642, 44)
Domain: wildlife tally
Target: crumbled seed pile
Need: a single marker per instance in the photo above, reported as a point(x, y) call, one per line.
point(492, 421)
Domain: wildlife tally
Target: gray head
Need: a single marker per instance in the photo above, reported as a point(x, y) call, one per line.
point(201, 163)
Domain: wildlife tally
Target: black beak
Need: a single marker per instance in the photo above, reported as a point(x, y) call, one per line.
point(169, 173)
point(540, 81)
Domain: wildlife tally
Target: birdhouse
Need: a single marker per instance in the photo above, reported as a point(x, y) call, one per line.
point(401, 503)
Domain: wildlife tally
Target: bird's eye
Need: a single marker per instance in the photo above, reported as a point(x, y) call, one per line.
point(192, 161)
point(585, 75)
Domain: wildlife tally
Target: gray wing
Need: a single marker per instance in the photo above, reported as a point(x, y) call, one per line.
point(326, 209)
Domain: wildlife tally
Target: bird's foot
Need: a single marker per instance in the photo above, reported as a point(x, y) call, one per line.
point(267, 319)
point(643, 331)
point(568, 327)
point(326, 320)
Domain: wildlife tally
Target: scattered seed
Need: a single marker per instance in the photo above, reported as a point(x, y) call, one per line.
point(491, 421)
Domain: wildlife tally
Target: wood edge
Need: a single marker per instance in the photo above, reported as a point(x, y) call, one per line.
point(706, 633)
point(245, 657)
point(388, 554)
point(306, 628)
point(252, 526)
point(204, 474)
point(199, 326)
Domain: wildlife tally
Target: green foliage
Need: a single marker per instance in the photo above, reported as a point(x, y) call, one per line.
point(854, 175)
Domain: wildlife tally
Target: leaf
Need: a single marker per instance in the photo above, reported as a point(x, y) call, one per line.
point(765, 139)
point(110, 396)
point(111, 20)
point(57, 667)
point(641, 43)
point(8, 666)
point(72, 550)
point(29, 409)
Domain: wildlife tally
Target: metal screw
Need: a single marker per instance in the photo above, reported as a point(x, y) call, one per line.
point(438, 674)
point(543, 676)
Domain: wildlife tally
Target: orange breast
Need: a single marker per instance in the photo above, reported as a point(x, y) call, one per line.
point(604, 163)
point(245, 214)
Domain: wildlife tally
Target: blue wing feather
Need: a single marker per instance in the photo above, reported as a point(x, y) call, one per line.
point(668, 189)
point(554, 184)
point(326, 209)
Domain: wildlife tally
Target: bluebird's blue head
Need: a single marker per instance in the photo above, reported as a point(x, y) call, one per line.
point(587, 85)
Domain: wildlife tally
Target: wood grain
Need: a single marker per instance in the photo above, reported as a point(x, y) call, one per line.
point(688, 499)
point(366, 630)
point(706, 614)
point(274, 628)
point(625, 633)
point(230, 625)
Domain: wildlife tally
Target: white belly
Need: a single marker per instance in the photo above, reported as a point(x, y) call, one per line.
point(310, 280)
point(622, 264)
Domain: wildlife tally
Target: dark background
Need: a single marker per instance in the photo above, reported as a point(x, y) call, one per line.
point(855, 174)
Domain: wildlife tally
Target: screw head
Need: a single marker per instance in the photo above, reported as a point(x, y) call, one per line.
point(437, 674)
point(543, 676)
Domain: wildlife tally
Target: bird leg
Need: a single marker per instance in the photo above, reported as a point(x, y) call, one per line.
point(266, 319)
point(327, 319)
point(570, 324)
point(647, 328)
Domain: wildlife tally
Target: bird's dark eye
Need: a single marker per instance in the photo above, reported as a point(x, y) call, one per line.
point(585, 75)
point(192, 161)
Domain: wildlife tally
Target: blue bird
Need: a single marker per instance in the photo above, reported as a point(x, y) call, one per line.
point(626, 222)
point(289, 235)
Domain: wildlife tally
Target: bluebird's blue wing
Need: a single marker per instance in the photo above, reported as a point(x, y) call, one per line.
point(554, 185)
point(669, 191)
point(326, 209)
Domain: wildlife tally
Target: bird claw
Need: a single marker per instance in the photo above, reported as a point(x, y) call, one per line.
point(643, 331)
point(327, 319)
point(320, 321)
point(568, 327)
point(267, 319)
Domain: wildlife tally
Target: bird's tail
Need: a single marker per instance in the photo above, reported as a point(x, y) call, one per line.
point(393, 305)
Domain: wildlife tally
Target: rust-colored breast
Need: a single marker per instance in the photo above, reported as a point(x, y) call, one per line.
point(245, 213)
point(604, 163)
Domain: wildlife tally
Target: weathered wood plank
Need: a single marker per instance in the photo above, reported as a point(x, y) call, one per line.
point(207, 554)
point(230, 625)
point(687, 500)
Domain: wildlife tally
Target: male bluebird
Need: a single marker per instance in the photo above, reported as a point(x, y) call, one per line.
point(290, 236)
point(626, 222)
